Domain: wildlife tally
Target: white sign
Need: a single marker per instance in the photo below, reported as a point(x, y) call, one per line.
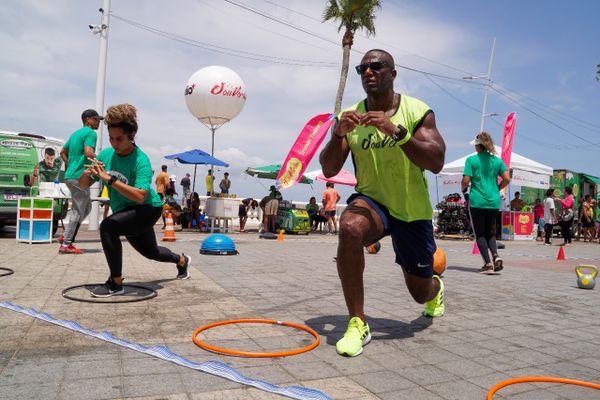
point(529, 179)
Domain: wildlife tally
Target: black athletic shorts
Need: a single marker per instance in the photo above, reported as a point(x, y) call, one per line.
point(413, 241)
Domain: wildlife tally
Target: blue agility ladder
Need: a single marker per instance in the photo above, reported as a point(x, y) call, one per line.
point(212, 367)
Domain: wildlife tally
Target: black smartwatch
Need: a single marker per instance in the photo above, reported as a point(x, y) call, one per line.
point(112, 180)
point(399, 136)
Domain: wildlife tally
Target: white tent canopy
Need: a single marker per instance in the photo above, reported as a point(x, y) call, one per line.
point(517, 162)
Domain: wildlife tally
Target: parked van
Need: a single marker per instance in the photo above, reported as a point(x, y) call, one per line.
point(19, 154)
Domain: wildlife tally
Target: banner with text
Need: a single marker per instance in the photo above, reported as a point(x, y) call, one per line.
point(529, 179)
point(303, 150)
point(507, 143)
point(450, 181)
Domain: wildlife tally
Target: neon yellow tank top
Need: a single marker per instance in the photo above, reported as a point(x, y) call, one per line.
point(384, 172)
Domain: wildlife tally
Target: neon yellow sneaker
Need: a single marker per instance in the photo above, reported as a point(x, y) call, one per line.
point(357, 335)
point(435, 307)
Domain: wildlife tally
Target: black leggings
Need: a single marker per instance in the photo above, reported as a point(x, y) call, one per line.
point(565, 227)
point(136, 223)
point(484, 226)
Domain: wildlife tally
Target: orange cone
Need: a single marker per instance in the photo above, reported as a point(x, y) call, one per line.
point(169, 235)
point(561, 254)
point(475, 248)
point(280, 236)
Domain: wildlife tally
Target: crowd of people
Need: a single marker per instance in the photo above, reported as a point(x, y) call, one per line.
point(572, 222)
point(189, 214)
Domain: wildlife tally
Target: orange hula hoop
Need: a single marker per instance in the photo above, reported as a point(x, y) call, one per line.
point(526, 379)
point(240, 353)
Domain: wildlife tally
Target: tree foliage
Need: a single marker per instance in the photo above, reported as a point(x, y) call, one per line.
point(352, 15)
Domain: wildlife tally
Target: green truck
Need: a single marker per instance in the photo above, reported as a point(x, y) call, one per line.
point(582, 184)
point(19, 154)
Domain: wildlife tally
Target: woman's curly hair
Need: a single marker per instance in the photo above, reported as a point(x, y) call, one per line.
point(122, 116)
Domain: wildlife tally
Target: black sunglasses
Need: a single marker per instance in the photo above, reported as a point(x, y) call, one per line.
point(374, 66)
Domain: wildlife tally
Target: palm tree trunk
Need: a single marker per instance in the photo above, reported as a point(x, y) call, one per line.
point(343, 77)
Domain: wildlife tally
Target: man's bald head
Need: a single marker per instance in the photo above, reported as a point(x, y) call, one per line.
point(383, 56)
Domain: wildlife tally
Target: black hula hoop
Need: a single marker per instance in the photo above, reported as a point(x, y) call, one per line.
point(8, 271)
point(101, 300)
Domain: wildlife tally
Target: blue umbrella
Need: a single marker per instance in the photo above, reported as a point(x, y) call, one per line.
point(196, 157)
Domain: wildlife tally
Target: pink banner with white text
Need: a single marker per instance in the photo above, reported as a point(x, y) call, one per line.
point(303, 150)
point(507, 138)
point(507, 142)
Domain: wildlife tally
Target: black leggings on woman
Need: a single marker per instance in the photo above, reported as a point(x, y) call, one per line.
point(565, 228)
point(136, 223)
point(484, 226)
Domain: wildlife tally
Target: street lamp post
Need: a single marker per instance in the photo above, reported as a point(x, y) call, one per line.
point(102, 31)
point(488, 82)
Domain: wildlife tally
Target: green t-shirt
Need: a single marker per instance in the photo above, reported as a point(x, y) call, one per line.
point(133, 169)
point(312, 208)
point(484, 169)
point(50, 174)
point(383, 170)
point(85, 136)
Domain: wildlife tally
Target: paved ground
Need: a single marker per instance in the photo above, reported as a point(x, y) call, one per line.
point(530, 320)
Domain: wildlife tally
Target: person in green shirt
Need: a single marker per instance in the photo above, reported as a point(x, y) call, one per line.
point(312, 208)
point(80, 146)
point(393, 139)
point(125, 169)
point(481, 172)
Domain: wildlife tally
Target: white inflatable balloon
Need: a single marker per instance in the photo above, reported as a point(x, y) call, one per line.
point(215, 95)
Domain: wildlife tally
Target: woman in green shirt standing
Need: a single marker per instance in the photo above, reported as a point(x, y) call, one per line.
point(481, 172)
point(125, 169)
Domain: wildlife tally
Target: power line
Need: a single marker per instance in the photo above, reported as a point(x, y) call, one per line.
point(227, 51)
point(557, 113)
point(375, 40)
point(353, 49)
point(451, 95)
point(542, 117)
point(272, 18)
point(261, 27)
point(281, 60)
point(537, 142)
point(582, 123)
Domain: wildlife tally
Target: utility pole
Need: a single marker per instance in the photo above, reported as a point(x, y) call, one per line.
point(102, 30)
point(488, 83)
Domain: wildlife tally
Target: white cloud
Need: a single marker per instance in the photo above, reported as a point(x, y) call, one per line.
point(238, 159)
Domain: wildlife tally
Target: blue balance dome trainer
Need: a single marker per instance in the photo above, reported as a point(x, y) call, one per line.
point(219, 245)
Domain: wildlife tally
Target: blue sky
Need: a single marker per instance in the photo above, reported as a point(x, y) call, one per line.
point(544, 63)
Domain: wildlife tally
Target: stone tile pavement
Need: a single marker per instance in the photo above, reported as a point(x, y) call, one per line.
point(530, 320)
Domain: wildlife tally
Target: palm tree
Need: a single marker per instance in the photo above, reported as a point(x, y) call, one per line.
point(353, 15)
